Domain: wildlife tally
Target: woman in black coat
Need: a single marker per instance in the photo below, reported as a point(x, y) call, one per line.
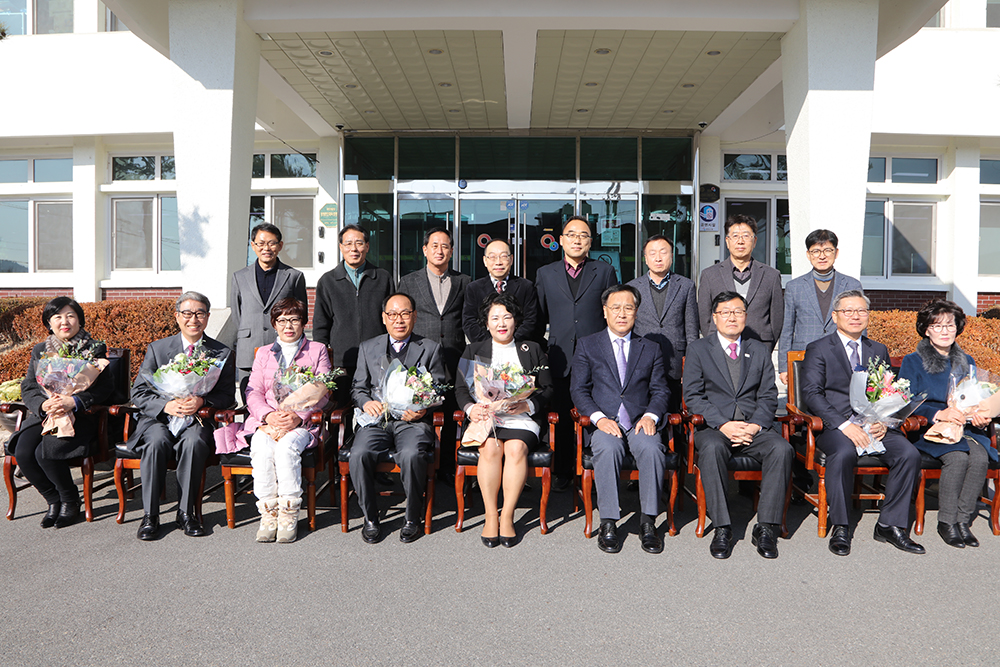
point(964, 464)
point(503, 454)
point(44, 459)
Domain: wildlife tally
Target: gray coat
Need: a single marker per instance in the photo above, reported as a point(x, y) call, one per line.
point(765, 306)
point(676, 327)
point(804, 322)
point(445, 329)
point(344, 315)
point(252, 316)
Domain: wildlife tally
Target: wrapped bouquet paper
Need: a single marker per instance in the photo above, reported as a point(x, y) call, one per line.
point(498, 387)
point(301, 389)
point(184, 376)
point(403, 389)
point(69, 371)
point(878, 397)
point(965, 394)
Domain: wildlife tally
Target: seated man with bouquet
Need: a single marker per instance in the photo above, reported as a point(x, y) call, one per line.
point(388, 366)
point(827, 372)
point(179, 375)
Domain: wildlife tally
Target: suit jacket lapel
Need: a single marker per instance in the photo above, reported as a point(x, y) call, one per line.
point(250, 285)
point(756, 276)
point(673, 287)
point(744, 367)
point(587, 277)
point(454, 291)
point(728, 282)
point(840, 353)
point(608, 352)
point(837, 287)
point(279, 282)
point(718, 355)
point(634, 352)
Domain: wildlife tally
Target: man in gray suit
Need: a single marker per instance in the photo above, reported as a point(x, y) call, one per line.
point(759, 284)
point(809, 298)
point(412, 436)
point(729, 380)
point(254, 290)
point(668, 311)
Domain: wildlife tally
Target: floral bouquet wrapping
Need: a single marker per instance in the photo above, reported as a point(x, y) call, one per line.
point(69, 371)
point(184, 376)
point(498, 387)
point(965, 394)
point(300, 389)
point(403, 389)
point(878, 397)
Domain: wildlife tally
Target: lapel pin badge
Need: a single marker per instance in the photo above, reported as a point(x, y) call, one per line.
point(524, 346)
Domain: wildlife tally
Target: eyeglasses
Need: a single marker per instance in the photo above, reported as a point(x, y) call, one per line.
point(270, 245)
point(851, 312)
point(394, 315)
point(286, 321)
point(504, 256)
point(618, 308)
point(816, 252)
point(438, 246)
point(726, 314)
point(740, 237)
point(197, 314)
point(573, 236)
point(354, 244)
point(941, 328)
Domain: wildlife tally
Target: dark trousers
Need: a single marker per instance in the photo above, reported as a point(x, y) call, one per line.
point(51, 478)
point(650, 458)
point(565, 455)
point(767, 447)
point(902, 459)
point(190, 450)
point(411, 442)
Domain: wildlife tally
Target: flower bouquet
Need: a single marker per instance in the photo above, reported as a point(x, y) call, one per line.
point(403, 389)
point(965, 394)
point(498, 387)
point(68, 371)
point(878, 397)
point(301, 389)
point(186, 375)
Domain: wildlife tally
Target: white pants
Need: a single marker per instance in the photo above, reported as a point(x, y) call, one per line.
point(277, 466)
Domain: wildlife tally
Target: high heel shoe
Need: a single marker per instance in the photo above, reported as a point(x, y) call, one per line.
point(508, 542)
point(68, 514)
point(50, 517)
point(490, 542)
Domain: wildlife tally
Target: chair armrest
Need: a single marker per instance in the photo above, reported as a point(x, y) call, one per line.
point(913, 423)
point(458, 416)
point(691, 421)
point(229, 416)
point(553, 417)
point(7, 408)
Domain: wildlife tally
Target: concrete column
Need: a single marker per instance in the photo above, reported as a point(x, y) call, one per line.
point(87, 17)
point(828, 68)
point(958, 222)
point(213, 139)
point(90, 219)
point(710, 171)
point(328, 175)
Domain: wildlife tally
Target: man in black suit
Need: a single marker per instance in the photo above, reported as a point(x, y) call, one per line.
point(192, 446)
point(569, 299)
point(825, 386)
point(729, 380)
point(620, 383)
point(498, 259)
point(412, 436)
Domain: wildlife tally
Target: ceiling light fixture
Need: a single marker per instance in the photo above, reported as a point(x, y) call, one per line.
point(582, 110)
point(369, 111)
point(590, 84)
point(435, 52)
point(445, 85)
point(668, 111)
point(454, 111)
point(351, 85)
point(326, 53)
point(687, 85)
point(602, 52)
point(714, 53)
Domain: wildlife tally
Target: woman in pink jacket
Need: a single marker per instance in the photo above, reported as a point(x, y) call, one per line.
point(278, 437)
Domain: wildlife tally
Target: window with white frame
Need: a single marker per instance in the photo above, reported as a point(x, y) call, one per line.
point(35, 236)
point(898, 239)
point(754, 167)
point(773, 231)
point(284, 165)
point(902, 170)
point(145, 233)
point(36, 170)
point(37, 17)
point(293, 215)
point(143, 168)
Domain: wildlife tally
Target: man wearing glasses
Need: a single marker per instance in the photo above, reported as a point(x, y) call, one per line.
point(254, 290)
point(729, 380)
point(759, 284)
point(826, 379)
point(809, 298)
point(569, 299)
point(191, 447)
point(498, 259)
point(412, 436)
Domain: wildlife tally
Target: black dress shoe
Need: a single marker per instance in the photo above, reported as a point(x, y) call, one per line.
point(650, 540)
point(949, 533)
point(371, 531)
point(563, 484)
point(764, 539)
point(149, 529)
point(190, 524)
point(409, 532)
point(607, 539)
point(490, 542)
point(840, 540)
point(722, 543)
point(68, 514)
point(965, 530)
point(50, 517)
point(898, 538)
point(384, 479)
point(508, 542)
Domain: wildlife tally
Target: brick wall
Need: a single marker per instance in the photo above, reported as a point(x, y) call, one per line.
point(139, 293)
point(33, 292)
point(987, 300)
point(311, 299)
point(897, 300)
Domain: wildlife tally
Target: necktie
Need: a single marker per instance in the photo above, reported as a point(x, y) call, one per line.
point(732, 350)
point(398, 346)
point(623, 418)
point(500, 285)
point(190, 350)
point(855, 358)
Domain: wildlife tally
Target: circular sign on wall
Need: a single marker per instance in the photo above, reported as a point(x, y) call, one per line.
point(483, 240)
point(549, 241)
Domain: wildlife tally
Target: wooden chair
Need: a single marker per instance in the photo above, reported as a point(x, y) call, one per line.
point(119, 367)
point(237, 464)
point(539, 465)
point(815, 460)
point(629, 470)
point(386, 464)
point(127, 461)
